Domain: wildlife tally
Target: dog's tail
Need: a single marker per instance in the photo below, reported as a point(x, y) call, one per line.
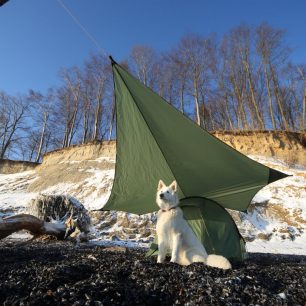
point(218, 261)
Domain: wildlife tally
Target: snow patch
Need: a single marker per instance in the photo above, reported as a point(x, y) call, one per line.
point(288, 195)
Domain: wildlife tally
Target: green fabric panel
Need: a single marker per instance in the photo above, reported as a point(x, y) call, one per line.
point(233, 199)
point(213, 226)
point(218, 231)
point(140, 163)
point(193, 215)
point(202, 164)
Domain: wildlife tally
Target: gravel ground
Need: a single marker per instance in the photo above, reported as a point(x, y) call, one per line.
point(55, 273)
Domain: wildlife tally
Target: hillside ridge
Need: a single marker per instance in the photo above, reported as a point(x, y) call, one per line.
point(277, 214)
point(286, 146)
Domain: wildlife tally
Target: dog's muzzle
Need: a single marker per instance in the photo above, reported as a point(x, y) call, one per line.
point(161, 196)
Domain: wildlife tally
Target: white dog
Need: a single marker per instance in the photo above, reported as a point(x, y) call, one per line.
point(175, 235)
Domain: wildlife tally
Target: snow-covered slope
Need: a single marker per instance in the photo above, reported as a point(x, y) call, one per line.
point(276, 219)
point(13, 192)
point(275, 222)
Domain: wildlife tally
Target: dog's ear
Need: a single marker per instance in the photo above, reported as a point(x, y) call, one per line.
point(173, 186)
point(161, 184)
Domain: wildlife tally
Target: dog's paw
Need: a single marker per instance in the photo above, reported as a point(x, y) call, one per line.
point(174, 260)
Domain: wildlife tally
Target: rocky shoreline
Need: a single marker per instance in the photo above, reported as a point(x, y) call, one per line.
point(60, 273)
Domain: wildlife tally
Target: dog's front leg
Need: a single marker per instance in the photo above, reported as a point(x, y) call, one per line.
point(162, 252)
point(176, 246)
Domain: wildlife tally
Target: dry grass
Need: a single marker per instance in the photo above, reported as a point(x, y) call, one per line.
point(264, 236)
point(287, 216)
point(291, 159)
point(301, 174)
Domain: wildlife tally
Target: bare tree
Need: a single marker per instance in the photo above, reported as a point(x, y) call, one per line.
point(279, 98)
point(199, 54)
point(180, 68)
point(42, 106)
point(165, 78)
point(13, 111)
point(98, 80)
point(302, 72)
point(232, 80)
point(273, 52)
point(86, 107)
point(242, 37)
point(142, 62)
point(69, 98)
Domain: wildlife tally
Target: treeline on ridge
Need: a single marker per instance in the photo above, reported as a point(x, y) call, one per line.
point(243, 81)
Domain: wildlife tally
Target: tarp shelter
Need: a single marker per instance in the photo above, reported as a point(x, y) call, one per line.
point(156, 141)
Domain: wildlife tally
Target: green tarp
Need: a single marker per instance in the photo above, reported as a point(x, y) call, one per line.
point(156, 141)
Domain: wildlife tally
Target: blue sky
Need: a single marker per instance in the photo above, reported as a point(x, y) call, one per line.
point(38, 37)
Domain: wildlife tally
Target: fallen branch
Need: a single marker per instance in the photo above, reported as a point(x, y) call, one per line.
point(35, 226)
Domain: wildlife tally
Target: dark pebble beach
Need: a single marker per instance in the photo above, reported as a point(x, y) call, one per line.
point(60, 273)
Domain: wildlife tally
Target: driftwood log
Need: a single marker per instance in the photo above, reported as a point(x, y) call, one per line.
point(55, 215)
point(32, 224)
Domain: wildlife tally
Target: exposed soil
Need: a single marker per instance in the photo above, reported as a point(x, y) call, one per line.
point(72, 165)
point(8, 166)
point(287, 146)
point(54, 273)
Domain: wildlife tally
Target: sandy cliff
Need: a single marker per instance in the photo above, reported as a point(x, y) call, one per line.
point(86, 172)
